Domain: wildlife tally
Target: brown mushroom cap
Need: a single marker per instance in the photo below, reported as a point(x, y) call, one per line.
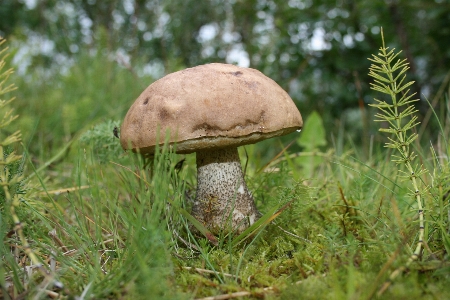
point(207, 107)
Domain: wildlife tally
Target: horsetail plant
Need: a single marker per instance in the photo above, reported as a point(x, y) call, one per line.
point(10, 175)
point(389, 75)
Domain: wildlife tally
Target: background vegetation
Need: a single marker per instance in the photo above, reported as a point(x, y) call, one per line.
point(97, 220)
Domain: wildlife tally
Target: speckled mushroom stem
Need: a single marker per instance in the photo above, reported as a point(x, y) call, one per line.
point(223, 198)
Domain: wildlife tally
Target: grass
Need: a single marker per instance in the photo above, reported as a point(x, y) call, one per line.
point(103, 224)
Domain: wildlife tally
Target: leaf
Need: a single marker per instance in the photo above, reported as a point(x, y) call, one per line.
point(257, 226)
point(199, 226)
point(313, 133)
point(261, 223)
point(399, 89)
point(379, 77)
point(406, 98)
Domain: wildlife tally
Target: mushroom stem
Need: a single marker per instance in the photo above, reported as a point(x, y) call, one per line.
point(223, 201)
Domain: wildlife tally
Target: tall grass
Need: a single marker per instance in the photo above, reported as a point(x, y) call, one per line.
point(106, 235)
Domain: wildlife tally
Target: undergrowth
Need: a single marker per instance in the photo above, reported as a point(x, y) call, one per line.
point(105, 224)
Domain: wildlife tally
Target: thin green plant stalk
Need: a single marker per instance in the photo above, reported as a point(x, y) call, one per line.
point(389, 78)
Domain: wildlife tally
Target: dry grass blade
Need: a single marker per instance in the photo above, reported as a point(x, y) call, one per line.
point(274, 159)
point(64, 190)
point(237, 295)
point(205, 271)
point(260, 224)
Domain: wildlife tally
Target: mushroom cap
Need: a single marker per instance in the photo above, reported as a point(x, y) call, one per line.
point(207, 107)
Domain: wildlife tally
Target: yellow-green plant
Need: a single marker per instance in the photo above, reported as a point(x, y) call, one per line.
point(10, 175)
point(389, 73)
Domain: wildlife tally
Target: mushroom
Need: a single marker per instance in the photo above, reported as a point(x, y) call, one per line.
point(211, 110)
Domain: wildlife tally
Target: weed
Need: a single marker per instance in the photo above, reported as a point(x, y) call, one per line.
point(389, 75)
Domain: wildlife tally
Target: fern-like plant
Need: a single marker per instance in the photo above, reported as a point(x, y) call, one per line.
point(10, 177)
point(10, 174)
point(389, 73)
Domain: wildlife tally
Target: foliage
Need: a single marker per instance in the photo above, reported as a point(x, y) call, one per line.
point(10, 174)
point(313, 138)
point(101, 138)
point(400, 115)
point(389, 73)
point(11, 179)
point(61, 106)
